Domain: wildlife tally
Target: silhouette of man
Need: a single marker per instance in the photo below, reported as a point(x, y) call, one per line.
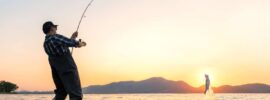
point(207, 83)
point(64, 70)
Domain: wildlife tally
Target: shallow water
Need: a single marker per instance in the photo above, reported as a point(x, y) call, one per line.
point(140, 96)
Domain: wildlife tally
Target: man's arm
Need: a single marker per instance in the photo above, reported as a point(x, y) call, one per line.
point(66, 41)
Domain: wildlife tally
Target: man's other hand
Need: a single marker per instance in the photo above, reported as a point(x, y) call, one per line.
point(74, 35)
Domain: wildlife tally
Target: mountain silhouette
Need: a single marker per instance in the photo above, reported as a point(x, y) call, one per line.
point(161, 85)
point(151, 85)
point(247, 88)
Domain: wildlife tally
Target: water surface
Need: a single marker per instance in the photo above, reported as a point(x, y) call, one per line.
point(140, 96)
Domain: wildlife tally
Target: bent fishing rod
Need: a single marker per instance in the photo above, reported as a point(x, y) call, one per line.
point(81, 20)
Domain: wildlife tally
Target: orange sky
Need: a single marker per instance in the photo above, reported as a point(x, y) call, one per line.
point(136, 40)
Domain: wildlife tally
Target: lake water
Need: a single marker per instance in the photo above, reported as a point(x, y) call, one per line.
point(140, 96)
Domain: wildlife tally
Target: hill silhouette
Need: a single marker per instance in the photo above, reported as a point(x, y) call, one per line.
point(162, 85)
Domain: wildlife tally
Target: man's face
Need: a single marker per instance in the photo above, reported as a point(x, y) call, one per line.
point(53, 29)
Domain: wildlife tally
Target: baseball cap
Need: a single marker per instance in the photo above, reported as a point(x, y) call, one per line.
point(47, 26)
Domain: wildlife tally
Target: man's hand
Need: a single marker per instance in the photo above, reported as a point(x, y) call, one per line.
point(74, 35)
point(82, 44)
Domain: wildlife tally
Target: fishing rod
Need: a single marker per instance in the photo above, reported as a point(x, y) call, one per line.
point(81, 20)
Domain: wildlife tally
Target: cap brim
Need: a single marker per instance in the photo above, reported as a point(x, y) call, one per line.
point(55, 25)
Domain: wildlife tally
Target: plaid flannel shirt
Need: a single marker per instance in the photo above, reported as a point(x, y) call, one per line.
point(57, 45)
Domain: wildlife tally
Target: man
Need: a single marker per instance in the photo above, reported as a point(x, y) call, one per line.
point(207, 83)
point(64, 70)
